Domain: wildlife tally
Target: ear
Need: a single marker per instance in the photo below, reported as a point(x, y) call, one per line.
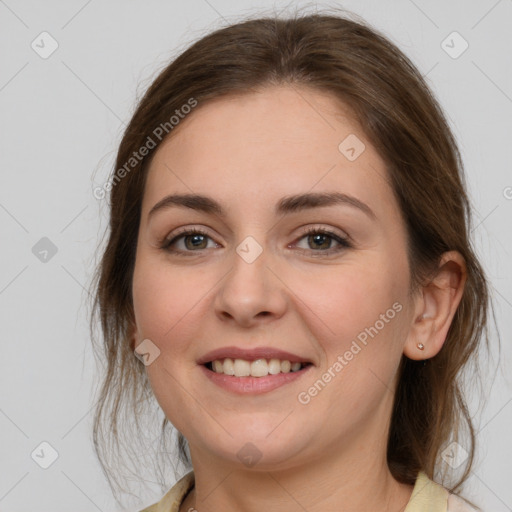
point(435, 307)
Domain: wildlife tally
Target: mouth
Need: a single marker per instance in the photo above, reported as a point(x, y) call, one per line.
point(259, 376)
point(243, 370)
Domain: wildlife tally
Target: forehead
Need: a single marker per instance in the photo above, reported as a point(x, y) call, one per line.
point(281, 139)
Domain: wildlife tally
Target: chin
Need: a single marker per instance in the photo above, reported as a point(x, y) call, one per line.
point(260, 453)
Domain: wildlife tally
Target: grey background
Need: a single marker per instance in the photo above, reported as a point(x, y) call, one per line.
point(61, 121)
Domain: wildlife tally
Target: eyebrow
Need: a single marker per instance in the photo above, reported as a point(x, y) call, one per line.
point(286, 205)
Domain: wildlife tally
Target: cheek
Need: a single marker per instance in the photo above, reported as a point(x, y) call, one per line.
point(349, 299)
point(162, 299)
point(358, 314)
point(362, 327)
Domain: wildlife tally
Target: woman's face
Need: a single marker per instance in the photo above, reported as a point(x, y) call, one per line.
point(262, 273)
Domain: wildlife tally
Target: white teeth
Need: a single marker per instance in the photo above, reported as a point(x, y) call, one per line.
point(217, 366)
point(257, 368)
point(274, 366)
point(228, 367)
point(242, 368)
point(294, 366)
point(285, 366)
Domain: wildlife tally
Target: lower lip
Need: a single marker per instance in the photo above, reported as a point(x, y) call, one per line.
point(253, 385)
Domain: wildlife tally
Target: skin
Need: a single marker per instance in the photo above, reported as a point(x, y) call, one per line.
point(248, 152)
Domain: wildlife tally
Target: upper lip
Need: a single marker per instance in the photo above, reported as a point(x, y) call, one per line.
point(252, 355)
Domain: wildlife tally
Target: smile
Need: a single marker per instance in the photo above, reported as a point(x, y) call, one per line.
point(245, 382)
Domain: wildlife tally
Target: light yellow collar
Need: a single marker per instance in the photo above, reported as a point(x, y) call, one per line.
point(427, 496)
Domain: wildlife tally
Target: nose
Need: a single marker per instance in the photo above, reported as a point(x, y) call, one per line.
point(251, 293)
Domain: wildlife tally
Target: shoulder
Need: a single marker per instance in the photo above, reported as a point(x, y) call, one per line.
point(457, 504)
point(429, 496)
point(174, 497)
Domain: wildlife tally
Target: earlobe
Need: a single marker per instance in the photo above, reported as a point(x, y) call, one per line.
point(419, 344)
point(435, 308)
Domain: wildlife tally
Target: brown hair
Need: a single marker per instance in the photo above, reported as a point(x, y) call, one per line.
point(400, 116)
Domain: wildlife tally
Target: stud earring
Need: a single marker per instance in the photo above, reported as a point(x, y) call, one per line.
point(420, 346)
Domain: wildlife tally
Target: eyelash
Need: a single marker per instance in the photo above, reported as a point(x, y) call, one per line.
point(166, 243)
point(344, 243)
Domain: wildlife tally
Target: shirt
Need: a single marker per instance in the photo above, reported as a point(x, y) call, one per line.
point(427, 496)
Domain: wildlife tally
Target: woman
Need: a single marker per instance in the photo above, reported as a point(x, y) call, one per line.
point(289, 260)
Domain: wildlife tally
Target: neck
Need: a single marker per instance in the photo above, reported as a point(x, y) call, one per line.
point(360, 483)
